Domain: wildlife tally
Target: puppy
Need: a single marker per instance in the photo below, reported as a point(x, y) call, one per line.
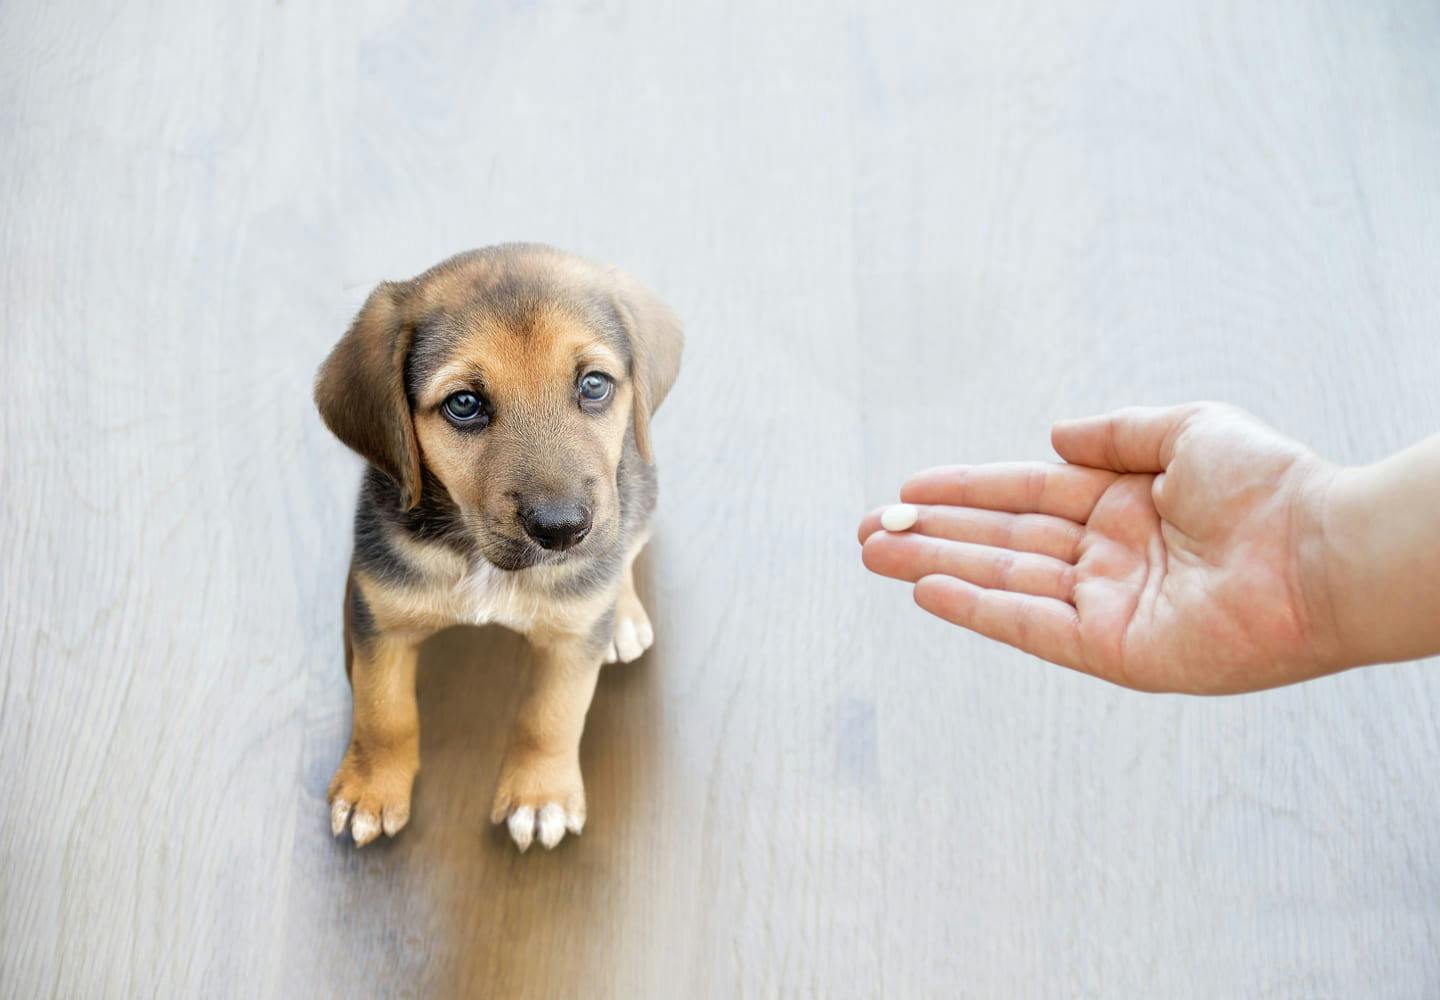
point(503, 400)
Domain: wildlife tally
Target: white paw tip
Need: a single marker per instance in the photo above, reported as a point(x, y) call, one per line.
point(522, 827)
point(364, 828)
point(394, 821)
point(627, 643)
point(900, 517)
point(339, 813)
point(646, 634)
point(552, 824)
point(575, 821)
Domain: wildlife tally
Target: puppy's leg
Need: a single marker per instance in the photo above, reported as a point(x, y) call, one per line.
point(633, 633)
point(540, 789)
point(375, 778)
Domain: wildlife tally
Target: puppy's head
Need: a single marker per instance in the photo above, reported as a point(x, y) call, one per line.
point(514, 375)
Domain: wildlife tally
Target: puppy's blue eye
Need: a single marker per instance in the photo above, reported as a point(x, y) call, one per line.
point(466, 408)
point(594, 387)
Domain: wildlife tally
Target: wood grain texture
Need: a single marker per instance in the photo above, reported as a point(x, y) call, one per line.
point(898, 237)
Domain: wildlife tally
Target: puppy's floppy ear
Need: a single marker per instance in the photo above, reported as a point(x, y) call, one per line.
point(360, 390)
point(656, 341)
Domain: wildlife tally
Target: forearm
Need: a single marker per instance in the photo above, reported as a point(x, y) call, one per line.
point(1382, 531)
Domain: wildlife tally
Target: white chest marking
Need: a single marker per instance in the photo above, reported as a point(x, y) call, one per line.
point(488, 595)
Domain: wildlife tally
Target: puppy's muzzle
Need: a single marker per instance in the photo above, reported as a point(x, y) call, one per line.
point(556, 523)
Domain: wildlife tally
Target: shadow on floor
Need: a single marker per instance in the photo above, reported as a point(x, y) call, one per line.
point(450, 907)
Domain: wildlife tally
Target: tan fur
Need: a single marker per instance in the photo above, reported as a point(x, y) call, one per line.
point(541, 439)
point(379, 769)
point(542, 763)
point(556, 439)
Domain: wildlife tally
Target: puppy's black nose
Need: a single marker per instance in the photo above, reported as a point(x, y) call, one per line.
point(556, 524)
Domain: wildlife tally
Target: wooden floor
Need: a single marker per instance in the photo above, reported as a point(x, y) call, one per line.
point(899, 235)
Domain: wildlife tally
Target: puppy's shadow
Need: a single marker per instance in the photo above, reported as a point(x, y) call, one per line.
point(503, 923)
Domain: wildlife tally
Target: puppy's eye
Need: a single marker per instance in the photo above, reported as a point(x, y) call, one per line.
point(595, 387)
point(466, 409)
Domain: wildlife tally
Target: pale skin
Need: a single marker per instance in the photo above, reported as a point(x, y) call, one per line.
point(1186, 549)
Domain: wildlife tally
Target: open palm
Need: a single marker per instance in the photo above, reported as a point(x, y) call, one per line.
point(1170, 554)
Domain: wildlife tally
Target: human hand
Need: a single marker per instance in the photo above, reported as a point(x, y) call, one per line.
point(1182, 549)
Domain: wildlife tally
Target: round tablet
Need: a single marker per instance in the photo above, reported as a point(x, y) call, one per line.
point(900, 517)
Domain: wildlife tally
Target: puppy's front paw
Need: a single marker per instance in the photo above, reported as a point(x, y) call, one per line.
point(633, 633)
point(539, 797)
point(370, 793)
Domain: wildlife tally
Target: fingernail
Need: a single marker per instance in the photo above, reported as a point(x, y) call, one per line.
point(900, 517)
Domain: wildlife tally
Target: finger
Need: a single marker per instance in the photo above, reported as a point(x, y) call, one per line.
point(1067, 491)
point(1157, 492)
point(1135, 439)
point(912, 557)
point(870, 523)
point(1043, 534)
point(1039, 533)
point(1046, 628)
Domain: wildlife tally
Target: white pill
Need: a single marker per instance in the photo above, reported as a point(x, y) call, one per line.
point(900, 517)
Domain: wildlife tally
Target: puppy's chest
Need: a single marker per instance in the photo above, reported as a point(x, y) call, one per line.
point(486, 595)
point(459, 591)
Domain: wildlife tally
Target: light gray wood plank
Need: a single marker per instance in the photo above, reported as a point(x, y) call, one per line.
point(898, 237)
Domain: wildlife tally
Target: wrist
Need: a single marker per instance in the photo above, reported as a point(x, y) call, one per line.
point(1381, 551)
point(1328, 562)
point(1320, 555)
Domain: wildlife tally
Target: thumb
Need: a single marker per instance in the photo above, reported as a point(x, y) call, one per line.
point(1135, 439)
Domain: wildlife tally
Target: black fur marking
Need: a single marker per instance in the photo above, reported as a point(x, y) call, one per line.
point(511, 554)
point(604, 318)
point(435, 342)
point(638, 487)
point(373, 551)
point(511, 294)
point(361, 620)
point(598, 571)
point(434, 519)
point(511, 282)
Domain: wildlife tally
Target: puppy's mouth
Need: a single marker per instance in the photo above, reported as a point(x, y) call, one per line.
point(512, 554)
point(508, 549)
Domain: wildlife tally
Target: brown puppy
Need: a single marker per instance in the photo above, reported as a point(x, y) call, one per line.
point(503, 400)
